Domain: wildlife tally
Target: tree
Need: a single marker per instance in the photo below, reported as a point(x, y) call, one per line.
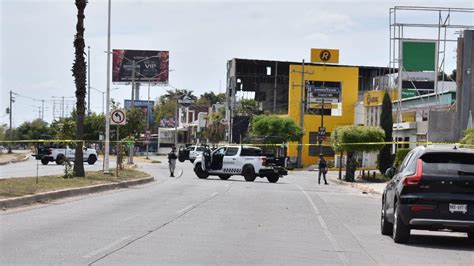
point(385, 156)
point(79, 73)
point(135, 123)
point(352, 139)
point(3, 130)
point(280, 129)
point(93, 124)
point(453, 75)
point(468, 138)
point(214, 131)
point(209, 98)
point(247, 107)
point(33, 130)
point(64, 128)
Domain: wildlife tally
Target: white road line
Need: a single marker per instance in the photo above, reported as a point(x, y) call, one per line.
point(187, 208)
point(325, 228)
point(105, 248)
point(214, 194)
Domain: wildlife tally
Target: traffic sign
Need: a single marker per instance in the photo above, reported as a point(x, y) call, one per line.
point(186, 101)
point(322, 130)
point(118, 117)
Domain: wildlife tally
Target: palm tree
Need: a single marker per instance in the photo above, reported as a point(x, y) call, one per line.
point(79, 73)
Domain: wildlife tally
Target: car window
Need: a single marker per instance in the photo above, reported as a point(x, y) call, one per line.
point(405, 161)
point(448, 164)
point(251, 152)
point(200, 149)
point(220, 151)
point(231, 151)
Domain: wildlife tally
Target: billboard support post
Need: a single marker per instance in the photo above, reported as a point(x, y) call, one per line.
point(107, 114)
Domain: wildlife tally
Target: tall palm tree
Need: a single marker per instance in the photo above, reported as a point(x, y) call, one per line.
point(79, 73)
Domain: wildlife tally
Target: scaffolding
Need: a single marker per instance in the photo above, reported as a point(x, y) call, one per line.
point(401, 28)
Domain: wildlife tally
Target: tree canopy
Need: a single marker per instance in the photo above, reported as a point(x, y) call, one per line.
point(357, 138)
point(280, 128)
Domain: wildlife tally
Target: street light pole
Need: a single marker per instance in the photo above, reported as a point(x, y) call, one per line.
point(107, 115)
point(88, 80)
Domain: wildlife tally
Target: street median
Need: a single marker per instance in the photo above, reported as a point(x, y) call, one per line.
point(18, 192)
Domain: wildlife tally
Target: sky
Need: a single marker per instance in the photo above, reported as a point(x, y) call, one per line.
point(36, 42)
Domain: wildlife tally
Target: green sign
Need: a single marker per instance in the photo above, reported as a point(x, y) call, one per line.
point(419, 56)
point(408, 93)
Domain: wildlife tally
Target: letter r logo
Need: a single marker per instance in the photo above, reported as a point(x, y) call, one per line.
point(325, 55)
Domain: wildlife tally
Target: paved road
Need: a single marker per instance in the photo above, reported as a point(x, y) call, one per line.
point(29, 168)
point(188, 220)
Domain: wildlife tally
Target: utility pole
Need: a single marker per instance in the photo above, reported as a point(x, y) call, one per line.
point(322, 125)
point(88, 80)
point(62, 107)
point(275, 88)
point(302, 110)
point(42, 110)
point(10, 111)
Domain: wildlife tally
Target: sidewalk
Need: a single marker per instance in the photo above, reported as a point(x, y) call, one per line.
point(364, 186)
point(13, 157)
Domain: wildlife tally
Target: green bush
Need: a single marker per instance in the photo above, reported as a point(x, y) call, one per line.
point(400, 155)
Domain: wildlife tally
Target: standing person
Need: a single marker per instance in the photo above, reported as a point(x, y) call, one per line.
point(172, 160)
point(323, 168)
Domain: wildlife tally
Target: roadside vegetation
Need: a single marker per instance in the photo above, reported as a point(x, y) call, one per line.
point(16, 187)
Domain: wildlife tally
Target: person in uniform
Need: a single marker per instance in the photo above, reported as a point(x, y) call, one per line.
point(172, 160)
point(323, 168)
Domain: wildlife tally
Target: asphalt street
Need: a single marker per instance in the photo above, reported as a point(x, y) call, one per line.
point(187, 220)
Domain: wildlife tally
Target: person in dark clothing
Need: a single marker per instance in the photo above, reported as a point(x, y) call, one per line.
point(172, 160)
point(323, 168)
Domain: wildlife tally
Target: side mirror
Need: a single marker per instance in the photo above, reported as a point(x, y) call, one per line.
point(390, 172)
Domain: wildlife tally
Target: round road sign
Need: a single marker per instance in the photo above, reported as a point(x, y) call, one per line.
point(118, 117)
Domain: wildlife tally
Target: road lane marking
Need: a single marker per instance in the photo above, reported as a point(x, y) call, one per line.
point(105, 248)
point(327, 233)
point(185, 209)
point(214, 194)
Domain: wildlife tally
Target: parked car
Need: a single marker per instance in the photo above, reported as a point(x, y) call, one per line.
point(58, 154)
point(433, 189)
point(190, 152)
point(237, 160)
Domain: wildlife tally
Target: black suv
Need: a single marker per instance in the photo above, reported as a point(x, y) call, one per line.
point(433, 189)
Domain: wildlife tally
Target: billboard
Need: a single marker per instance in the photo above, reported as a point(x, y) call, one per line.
point(325, 56)
point(145, 106)
point(151, 66)
point(316, 91)
point(418, 55)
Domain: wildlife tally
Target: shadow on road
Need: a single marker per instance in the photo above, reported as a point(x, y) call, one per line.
point(441, 242)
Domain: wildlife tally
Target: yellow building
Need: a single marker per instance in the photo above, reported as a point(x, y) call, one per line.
point(340, 111)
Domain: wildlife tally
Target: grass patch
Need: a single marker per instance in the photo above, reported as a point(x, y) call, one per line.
point(16, 187)
point(378, 178)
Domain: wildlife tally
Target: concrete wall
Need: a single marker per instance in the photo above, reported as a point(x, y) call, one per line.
point(441, 125)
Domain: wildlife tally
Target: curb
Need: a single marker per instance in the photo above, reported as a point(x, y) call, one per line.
point(16, 161)
point(362, 187)
point(48, 196)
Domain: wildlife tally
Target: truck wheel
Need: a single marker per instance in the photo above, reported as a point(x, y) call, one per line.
point(199, 172)
point(44, 161)
point(273, 178)
point(224, 177)
point(249, 173)
point(401, 232)
point(92, 159)
point(181, 159)
point(386, 228)
point(60, 159)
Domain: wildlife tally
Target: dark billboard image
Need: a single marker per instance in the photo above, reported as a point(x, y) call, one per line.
point(150, 66)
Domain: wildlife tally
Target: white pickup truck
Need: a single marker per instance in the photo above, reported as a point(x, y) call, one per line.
point(58, 155)
point(237, 160)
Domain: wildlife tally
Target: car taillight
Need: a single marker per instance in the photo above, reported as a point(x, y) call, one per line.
point(415, 179)
point(417, 208)
point(264, 161)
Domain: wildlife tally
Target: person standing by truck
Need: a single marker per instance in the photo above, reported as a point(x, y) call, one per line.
point(323, 169)
point(172, 160)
